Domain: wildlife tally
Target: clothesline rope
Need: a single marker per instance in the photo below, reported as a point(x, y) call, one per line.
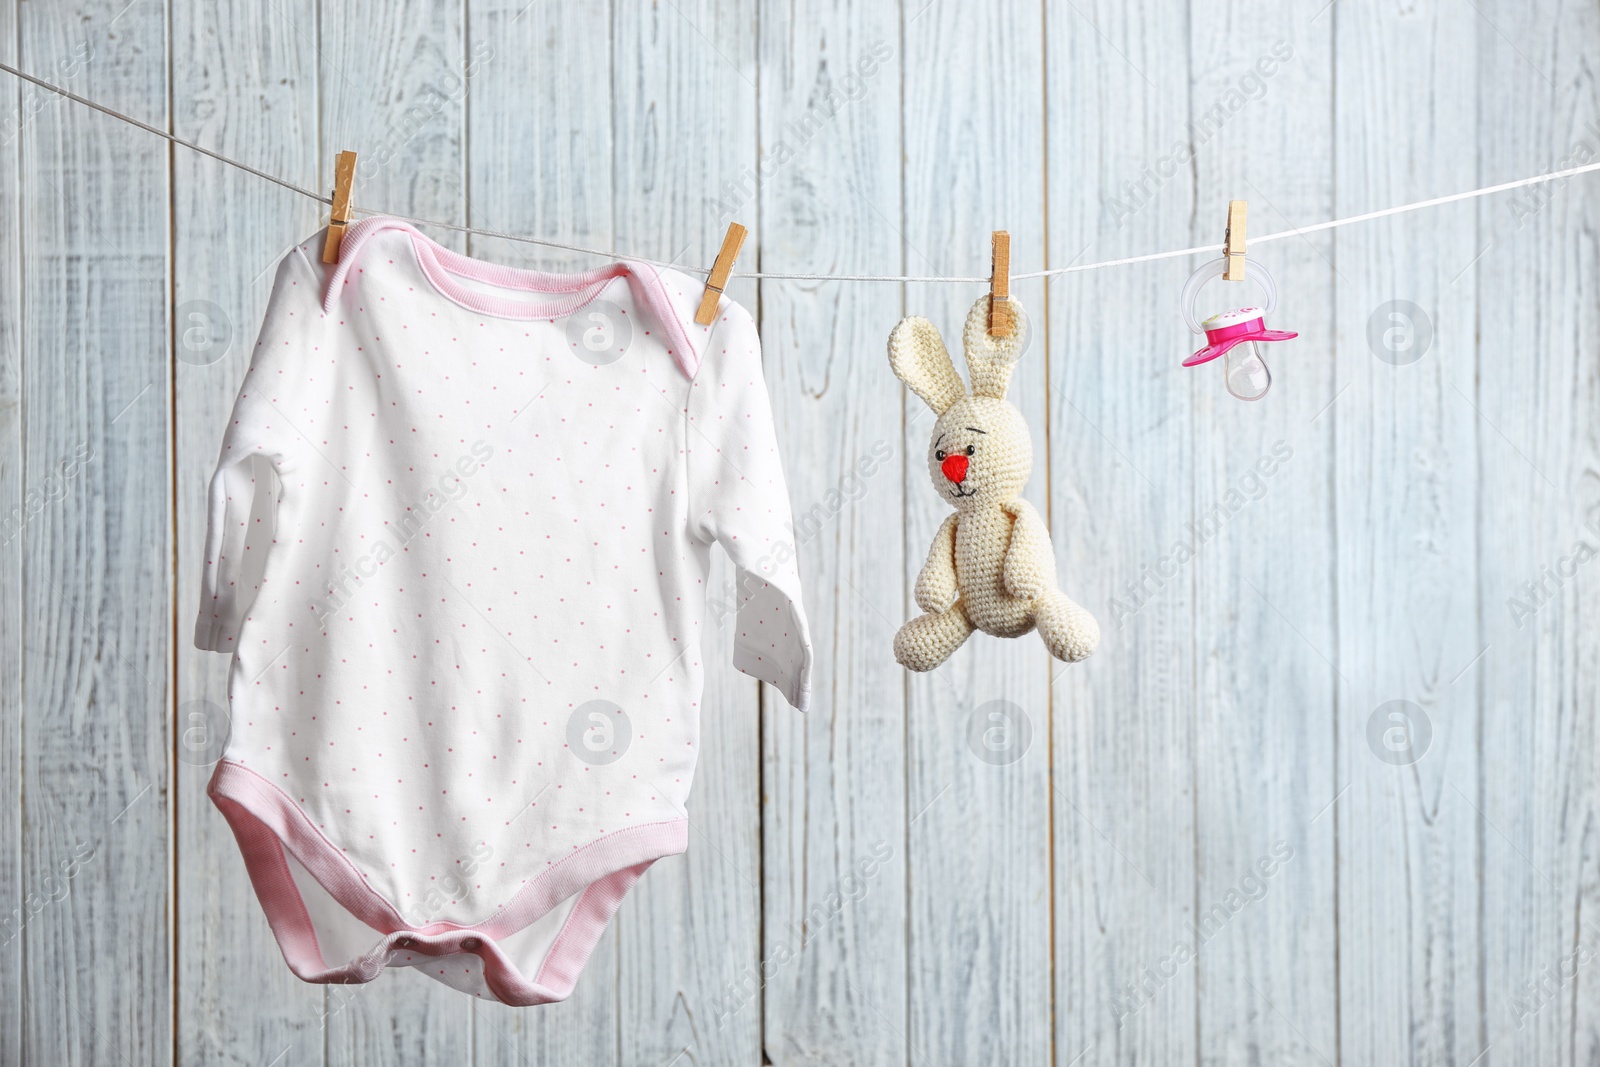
point(1298, 231)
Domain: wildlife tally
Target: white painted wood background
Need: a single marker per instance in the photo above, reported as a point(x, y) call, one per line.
point(1431, 911)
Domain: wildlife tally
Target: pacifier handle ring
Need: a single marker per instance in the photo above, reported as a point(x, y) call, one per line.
point(1215, 269)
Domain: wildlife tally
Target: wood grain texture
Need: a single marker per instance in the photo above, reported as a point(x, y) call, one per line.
point(539, 129)
point(1264, 620)
point(1410, 444)
point(96, 785)
point(978, 727)
point(832, 983)
point(1537, 389)
point(680, 70)
point(394, 76)
point(1424, 534)
point(246, 86)
point(1123, 466)
point(13, 486)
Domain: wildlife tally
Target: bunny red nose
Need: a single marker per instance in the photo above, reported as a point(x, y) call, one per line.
point(955, 468)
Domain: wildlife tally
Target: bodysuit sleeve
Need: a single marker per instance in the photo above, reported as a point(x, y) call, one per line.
point(261, 424)
point(738, 498)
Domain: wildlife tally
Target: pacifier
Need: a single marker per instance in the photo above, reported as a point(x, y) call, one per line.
point(1235, 335)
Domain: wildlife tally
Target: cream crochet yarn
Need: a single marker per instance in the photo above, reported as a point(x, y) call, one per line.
point(991, 567)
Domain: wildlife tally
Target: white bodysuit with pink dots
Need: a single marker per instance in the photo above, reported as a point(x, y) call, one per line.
point(466, 626)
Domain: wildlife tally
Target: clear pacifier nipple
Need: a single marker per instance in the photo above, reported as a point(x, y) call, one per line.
point(1245, 372)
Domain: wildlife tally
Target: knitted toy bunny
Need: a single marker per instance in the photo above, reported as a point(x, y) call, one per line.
point(991, 567)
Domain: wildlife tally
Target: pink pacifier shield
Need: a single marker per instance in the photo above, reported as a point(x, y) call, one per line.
point(1229, 328)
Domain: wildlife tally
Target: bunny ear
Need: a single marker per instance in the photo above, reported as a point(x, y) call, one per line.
point(918, 357)
point(990, 359)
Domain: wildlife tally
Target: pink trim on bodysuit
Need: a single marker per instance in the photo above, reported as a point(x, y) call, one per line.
point(265, 820)
point(441, 266)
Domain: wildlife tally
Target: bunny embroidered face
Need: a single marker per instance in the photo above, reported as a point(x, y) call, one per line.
point(991, 567)
point(981, 453)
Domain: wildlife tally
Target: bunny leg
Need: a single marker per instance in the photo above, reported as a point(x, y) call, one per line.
point(1069, 631)
point(927, 641)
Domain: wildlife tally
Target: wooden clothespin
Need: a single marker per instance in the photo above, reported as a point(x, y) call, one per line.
point(731, 243)
point(1002, 322)
point(344, 176)
point(1233, 241)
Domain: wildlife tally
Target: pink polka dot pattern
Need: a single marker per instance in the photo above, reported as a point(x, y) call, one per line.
point(475, 534)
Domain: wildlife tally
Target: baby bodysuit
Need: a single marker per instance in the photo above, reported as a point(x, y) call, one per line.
point(466, 624)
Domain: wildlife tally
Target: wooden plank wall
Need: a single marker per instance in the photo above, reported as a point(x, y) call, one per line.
point(1325, 795)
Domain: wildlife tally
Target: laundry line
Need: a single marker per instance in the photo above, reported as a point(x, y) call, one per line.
point(604, 253)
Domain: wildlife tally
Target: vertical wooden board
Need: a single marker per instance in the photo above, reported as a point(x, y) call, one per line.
point(12, 485)
point(683, 118)
point(1121, 431)
point(1264, 931)
point(393, 89)
point(243, 84)
point(1409, 441)
point(394, 80)
point(832, 982)
point(1539, 526)
point(539, 162)
point(539, 130)
point(978, 790)
point(96, 844)
point(683, 123)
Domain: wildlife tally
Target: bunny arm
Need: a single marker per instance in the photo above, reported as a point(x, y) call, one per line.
point(1029, 567)
point(936, 590)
